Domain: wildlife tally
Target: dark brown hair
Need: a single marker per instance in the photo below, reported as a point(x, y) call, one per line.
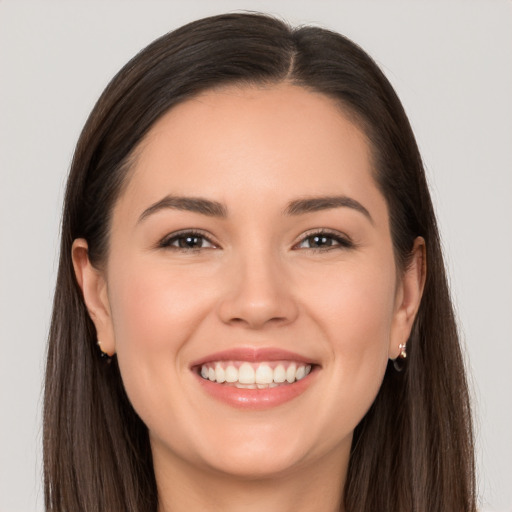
point(413, 450)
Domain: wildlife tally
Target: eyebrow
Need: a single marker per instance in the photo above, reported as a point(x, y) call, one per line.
point(190, 204)
point(215, 209)
point(316, 204)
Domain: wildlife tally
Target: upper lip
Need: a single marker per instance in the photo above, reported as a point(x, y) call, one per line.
point(253, 355)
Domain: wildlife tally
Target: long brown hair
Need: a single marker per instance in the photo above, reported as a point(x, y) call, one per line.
point(413, 450)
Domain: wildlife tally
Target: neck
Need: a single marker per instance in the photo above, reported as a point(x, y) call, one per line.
point(317, 486)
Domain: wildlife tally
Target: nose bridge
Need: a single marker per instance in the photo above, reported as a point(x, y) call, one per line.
point(257, 289)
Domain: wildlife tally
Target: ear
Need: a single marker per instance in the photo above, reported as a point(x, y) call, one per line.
point(408, 297)
point(94, 289)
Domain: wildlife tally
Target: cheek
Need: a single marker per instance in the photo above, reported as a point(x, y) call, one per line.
point(154, 305)
point(354, 304)
point(355, 311)
point(155, 312)
point(363, 323)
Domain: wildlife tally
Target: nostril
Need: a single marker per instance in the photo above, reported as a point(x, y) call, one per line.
point(255, 322)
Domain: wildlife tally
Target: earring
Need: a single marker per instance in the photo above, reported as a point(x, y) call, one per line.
point(399, 362)
point(106, 357)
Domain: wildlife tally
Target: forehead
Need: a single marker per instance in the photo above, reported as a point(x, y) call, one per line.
point(244, 114)
point(252, 141)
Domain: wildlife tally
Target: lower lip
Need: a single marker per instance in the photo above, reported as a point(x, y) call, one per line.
point(256, 399)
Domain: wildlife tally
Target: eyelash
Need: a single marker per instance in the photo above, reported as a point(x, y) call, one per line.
point(341, 241)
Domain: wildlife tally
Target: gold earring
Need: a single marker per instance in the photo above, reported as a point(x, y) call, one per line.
point(106, 357)
point(399, 362)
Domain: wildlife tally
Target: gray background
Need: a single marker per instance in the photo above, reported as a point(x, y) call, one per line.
point(451, 63)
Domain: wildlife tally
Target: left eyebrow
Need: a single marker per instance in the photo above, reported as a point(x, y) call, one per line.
point(190, 204)
point(316, 204)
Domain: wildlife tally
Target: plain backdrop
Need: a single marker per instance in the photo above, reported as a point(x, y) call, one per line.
point(451, 64)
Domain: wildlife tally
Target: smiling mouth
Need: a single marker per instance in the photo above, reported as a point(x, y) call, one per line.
point(254, 375)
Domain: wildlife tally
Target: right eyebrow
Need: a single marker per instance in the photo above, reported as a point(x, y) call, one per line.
point(190, 204)
point(316, 204)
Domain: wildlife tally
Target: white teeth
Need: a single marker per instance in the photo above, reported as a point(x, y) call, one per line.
point(300, 373)
point(290, 373)
point(231, 374)
point(253, 375)
point(246, 374)
point(279, 374)
point(220, 374)
point(264, 374)
point(245, 386)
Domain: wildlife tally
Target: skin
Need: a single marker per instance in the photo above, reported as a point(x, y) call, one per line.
point(257, 281)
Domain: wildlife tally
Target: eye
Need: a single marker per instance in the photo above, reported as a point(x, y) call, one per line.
point(187, 240)
point(324, 240)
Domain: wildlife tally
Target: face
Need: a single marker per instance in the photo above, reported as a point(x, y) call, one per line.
point(250, 291)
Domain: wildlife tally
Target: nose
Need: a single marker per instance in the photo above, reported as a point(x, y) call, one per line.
point(258, 293)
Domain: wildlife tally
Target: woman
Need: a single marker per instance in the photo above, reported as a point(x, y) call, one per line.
point(243, 317)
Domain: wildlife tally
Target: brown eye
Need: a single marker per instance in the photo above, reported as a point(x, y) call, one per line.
point(190, 242)
point(318, 241)
point(324, 241)
point(187, 241)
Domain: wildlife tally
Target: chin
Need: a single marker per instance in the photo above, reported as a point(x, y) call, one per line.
point(260, 465)
point(261, 453)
